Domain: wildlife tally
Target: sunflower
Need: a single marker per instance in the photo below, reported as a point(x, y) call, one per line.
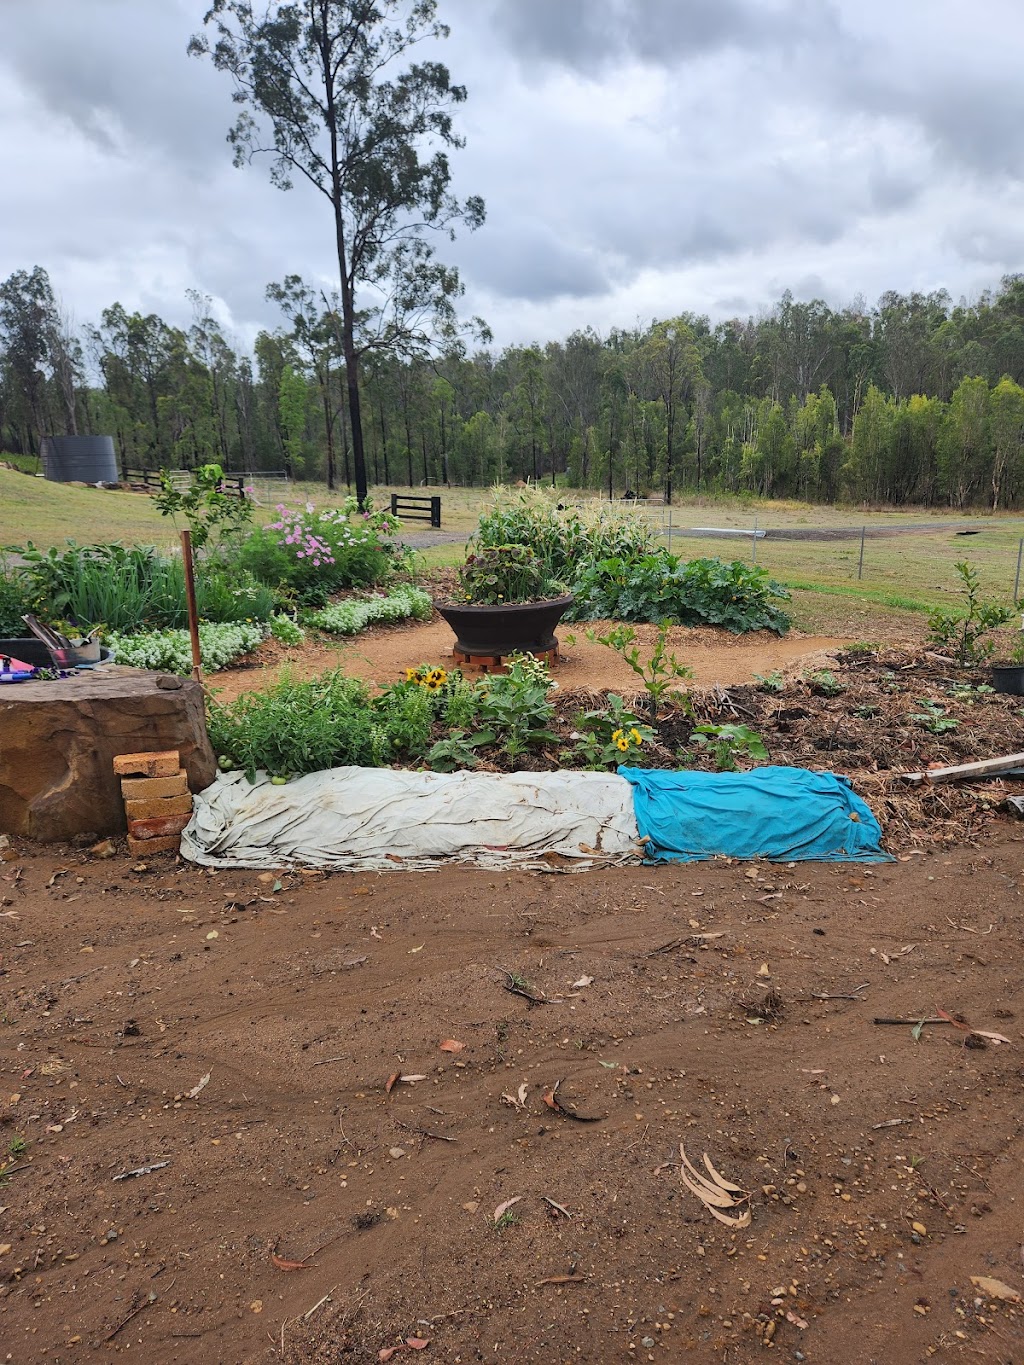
point(622, 743)
point(616, 736)
point(636, 736)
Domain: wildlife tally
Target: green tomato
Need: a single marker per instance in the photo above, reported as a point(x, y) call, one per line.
point(278, 781)
point(224, 763)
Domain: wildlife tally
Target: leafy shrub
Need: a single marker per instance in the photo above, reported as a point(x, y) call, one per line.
point(215, 518)
point(563, 538)
point(964, 630)
point(224, 594)
point(14, 601)
point(348, 618)
point(515, 707)
point(123, 587)
point(283, 628)
point(660, 672)
point(170, 651)
point(299, 727)
point(662, 587)
point(506, 574)
point(129, 588)
point(407, 713)
point(315, 553)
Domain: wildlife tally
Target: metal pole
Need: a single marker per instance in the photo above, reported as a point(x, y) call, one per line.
point(670, 528)
point(190, 598)
point(860, 566)
point(1016, 581)
point(753, 539)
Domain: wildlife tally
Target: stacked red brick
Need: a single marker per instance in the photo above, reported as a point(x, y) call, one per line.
point(157, 801)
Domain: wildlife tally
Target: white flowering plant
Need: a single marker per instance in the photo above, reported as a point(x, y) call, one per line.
point(354, 615)
point(170, 651)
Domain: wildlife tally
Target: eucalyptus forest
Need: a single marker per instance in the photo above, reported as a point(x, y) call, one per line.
point(915, 401)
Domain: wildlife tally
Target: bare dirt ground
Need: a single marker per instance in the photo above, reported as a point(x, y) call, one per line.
point(231, 1040)
point(383, 654)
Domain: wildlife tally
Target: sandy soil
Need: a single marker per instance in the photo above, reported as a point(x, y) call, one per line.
point(382, 655)
point(230, 1038)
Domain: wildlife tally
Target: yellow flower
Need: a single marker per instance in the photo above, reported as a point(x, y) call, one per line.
point(636, 736)
point(616, 736)
point(431, 684)
point(437, 676)
point(412, 675)
point(622, 742)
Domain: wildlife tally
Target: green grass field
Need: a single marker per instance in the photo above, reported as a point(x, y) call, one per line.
point(904, 577)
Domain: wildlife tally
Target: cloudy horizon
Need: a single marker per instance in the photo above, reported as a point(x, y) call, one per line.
point(639, 158)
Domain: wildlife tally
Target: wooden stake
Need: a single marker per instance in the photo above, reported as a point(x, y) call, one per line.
point(986, 767)
point(190, 596)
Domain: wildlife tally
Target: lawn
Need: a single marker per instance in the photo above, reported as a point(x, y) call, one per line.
point(904, 576)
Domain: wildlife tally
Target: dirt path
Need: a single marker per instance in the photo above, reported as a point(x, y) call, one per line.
point(230, 1041)
point(382, 656)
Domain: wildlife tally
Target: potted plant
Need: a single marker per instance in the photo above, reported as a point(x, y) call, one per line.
point(1008, 674)
point(506, 603)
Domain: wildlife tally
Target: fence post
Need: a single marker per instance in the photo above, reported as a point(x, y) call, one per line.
point(753, 540)
point(394, 504)
point(860, 566)
point(435, 512)
point(1016, 581)
point(670, 528)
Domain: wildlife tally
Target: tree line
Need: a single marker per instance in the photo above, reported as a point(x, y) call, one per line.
point(915, 401)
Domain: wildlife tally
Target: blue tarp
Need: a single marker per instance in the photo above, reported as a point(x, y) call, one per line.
point(785, 814)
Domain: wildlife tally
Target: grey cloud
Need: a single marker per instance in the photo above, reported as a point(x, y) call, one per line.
point(117, 71)
point(589, 35)
point(524, 260)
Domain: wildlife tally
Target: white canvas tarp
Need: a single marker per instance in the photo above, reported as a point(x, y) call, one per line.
point(382, 819)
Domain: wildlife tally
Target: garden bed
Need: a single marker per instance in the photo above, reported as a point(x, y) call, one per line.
point(867, 714)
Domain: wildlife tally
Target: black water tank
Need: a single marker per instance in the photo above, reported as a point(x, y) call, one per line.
point(85, 459)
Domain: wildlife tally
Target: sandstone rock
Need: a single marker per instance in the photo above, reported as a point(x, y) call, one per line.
point(58, 741)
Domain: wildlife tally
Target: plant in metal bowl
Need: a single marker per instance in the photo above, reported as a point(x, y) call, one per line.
point(507, 602)
point(504, 574)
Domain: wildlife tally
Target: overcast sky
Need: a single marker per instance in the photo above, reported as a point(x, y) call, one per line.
point(639, 158)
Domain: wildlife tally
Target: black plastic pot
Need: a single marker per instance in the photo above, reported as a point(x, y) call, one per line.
point(528, 627)
point(1008, 678)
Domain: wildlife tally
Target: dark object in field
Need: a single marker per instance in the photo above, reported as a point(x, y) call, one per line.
point(1008, 678)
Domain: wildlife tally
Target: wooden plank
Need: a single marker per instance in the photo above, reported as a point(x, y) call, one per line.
point(986, 767)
